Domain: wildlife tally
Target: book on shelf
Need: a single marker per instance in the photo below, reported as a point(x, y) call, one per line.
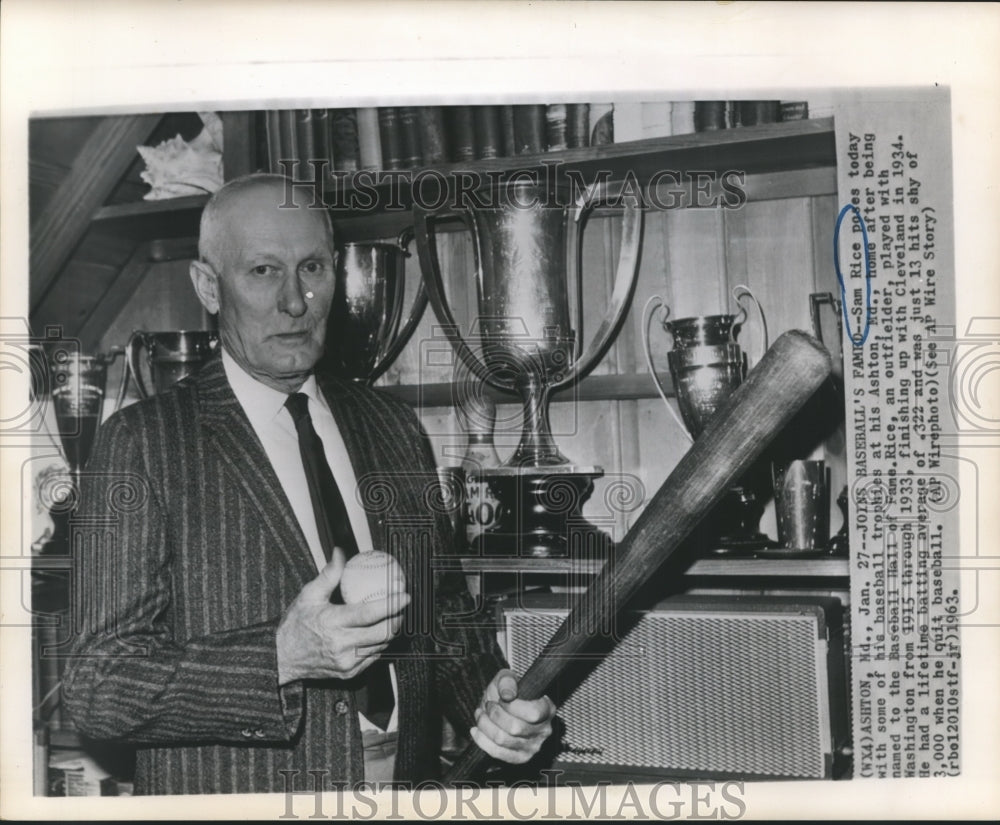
point(272, 131)
point(555, 127)
point(344, 132)
point(710, 115)
point(529, 129)
point(369, 142)
point(488, 137)
point(433, 144)
point(508, 146)
point(391, 137)
point(754, 112)
point(287, 139)
point(409, 130)
point(577, 125)
point(305, 141)
point(461, 133)
point(322, 139)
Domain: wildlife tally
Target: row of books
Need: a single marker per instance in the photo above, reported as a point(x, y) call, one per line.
point(411, 137)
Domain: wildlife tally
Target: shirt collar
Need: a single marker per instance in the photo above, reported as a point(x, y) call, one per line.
point(263, 404)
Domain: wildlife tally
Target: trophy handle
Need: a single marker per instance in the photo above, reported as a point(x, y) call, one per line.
point(135, 342)
point(126, 371)
point(400, 339)
point(654, 303)
point(431, 269)
point(739, 291)
point(816, 300)
point(625, 278)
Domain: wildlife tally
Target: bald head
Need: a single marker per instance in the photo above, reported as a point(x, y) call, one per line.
point(266, 269)
point(226, 205)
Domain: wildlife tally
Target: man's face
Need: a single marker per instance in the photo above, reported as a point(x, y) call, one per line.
point(274, 287)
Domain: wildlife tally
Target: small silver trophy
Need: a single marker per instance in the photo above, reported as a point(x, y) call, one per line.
point(170, 356)
point(707, 364)
point(364, 331)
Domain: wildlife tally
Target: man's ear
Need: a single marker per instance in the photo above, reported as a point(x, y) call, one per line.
point(206, 285)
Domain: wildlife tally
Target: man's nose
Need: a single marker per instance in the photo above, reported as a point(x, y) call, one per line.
point(291, 299)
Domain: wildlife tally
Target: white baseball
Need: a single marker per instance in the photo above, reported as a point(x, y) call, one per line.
point(369, 576)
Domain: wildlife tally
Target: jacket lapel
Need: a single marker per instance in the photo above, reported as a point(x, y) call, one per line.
point(232, 439)
point(354, 421)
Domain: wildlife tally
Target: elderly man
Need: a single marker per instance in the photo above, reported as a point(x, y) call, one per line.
point(211, 643)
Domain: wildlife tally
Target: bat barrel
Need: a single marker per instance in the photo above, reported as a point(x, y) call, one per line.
point(786, 377)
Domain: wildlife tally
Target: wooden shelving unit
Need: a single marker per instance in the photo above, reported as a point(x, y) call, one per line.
point(792, 159)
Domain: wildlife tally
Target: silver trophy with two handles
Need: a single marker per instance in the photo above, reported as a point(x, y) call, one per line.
point(706, 365)
point(526, 241)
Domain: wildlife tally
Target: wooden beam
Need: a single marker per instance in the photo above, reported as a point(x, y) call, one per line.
point(96, 170)
point(114, 299)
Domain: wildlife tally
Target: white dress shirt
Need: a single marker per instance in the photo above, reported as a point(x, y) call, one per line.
point(265, 407)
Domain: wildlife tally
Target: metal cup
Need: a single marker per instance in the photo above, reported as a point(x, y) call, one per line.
point(170, 356)
point(802, 505)
point(706, 362)
point(363, 334)
point(77, 383)
point(526, 249)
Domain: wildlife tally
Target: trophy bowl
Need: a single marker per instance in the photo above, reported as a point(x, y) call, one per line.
point(526, 241)
point(77, 383)
point(704, 330)
point(703, 378)
point(364, 332)
point(170, 356)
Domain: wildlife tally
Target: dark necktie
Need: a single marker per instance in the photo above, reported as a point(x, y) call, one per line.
point(375, 698)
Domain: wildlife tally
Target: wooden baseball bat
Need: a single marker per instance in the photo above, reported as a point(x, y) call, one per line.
point(788, 374)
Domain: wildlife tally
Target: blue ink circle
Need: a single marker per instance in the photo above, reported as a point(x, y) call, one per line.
point(857, 340)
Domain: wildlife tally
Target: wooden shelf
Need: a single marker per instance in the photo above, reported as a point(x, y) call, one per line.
point(781, 160)
point(742, 567)
point(152, 220)
point(592, 388)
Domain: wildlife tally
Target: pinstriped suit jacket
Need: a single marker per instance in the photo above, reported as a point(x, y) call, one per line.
point(192, 554)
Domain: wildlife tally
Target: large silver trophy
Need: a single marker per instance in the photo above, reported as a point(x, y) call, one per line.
point(707, 364)
point(364, 332)
point(526, 241)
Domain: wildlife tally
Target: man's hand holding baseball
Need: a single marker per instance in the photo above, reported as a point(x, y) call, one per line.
point(320, 640)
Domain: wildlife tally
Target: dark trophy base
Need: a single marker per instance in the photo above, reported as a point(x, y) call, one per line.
point(539, 512)
point(738, 535)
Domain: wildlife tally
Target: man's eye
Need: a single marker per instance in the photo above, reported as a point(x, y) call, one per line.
point(312, 267)
point(262, 269)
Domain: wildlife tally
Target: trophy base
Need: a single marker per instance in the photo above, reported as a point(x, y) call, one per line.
point(744, 545)
point(737, 534)
point(538, 514)
point(793, 553)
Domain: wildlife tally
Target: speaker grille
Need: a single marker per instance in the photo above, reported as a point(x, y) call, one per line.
point(701, 691)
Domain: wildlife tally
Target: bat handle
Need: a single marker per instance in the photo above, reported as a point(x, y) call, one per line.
point(470, 763)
